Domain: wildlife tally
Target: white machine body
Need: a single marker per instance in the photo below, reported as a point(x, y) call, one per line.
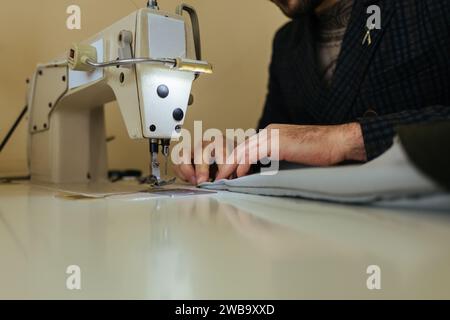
point(67, 140)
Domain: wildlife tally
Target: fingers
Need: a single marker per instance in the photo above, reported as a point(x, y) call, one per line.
point(247, 153)
point(225, 171)
point(196, 173)
point(238, 157)
point(251, 156)
point(186, 172)
point(243, 169)
point(239, 162)
point(222, 167)
point(202, 173)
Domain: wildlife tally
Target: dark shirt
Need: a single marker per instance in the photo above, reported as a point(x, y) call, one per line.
point(402, 78)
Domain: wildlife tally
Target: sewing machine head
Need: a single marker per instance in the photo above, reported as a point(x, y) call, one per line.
point(146, 61)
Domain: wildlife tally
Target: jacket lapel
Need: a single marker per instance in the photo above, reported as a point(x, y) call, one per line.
point(354, 60)
point(307, 85)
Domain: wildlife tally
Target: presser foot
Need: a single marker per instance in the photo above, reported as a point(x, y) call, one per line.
point(155, 182)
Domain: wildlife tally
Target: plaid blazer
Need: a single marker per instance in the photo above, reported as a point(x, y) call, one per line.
point(402, 78)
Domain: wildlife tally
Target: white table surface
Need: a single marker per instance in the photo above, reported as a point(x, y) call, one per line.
point(221, 246)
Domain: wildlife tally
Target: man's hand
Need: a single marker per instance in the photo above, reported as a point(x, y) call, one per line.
point(199, 172)
point(308, 145)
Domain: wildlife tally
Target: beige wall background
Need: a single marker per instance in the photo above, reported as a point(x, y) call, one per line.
point(236, 38)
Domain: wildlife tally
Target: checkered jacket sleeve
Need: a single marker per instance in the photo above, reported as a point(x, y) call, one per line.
point(378, 132)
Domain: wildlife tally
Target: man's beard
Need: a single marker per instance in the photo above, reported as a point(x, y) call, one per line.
point(293, 8)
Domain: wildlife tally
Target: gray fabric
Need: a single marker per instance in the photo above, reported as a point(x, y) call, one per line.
point(387, 178)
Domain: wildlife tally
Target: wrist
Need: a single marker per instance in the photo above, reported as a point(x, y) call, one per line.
point(353, 142)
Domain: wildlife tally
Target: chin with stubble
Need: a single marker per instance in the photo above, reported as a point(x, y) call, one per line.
point(294, 8)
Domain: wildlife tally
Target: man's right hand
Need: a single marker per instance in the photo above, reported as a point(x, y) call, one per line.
point(198, 172)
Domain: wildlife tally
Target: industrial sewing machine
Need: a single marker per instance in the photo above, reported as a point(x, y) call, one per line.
point(147, 62)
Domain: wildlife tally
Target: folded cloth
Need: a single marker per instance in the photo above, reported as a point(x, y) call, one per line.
point(389, 177)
